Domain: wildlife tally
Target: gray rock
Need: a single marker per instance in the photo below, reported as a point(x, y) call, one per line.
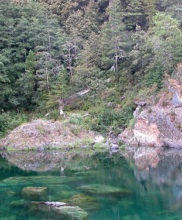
point(114, 147)
point(63, 210)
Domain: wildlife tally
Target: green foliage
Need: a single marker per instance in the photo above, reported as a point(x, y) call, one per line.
point(75, 119)
point(59, 90)
point(31, 50)
point(155, 76)
point(103, 118)
point(164, 41)
point(10, 120)
point(54, 115)
point(132, 123)
point(51, 49)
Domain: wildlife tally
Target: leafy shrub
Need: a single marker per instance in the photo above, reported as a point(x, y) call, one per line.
point(154, 76)
point(74, 119)
point(54, 114)
point(108, 117)
point(132, 123)
point(10, 120)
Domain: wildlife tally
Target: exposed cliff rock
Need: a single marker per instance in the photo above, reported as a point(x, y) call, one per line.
point(158, 125)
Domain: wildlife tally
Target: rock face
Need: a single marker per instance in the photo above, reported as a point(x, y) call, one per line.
point(147, 133)
point(157, 125)
point(40, 134)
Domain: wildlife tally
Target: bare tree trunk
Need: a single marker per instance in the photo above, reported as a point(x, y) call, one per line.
point(61, 112)
point(47, 75)
point(70, 100)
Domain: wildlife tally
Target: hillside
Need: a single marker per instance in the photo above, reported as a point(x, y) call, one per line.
point(120, 51)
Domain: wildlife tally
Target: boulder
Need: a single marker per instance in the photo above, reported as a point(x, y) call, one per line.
point(99, 139)
point(42, 134)
point(34, 193)
point(128, 138)
point(100, 189)
point(147, 134)
point(60, 209)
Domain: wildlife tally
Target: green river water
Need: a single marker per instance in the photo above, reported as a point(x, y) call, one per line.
point(149, 195)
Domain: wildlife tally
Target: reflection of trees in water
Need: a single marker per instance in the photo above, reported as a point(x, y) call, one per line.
point(54, 160)
point(161, 187)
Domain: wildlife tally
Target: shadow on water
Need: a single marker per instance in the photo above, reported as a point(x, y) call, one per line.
point(104, 185)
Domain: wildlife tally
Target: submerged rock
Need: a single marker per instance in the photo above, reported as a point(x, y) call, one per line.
point(18, 204)
point(84, 201)
point(103, 189)
point(131, 217)
point(43, 180)
point(9, 218)
point(34, 193)
point(11, 193)
point(126, 203)
point(66, 194)
point(61, 209)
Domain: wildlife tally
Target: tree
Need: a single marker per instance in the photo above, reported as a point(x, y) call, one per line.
point(172, 7)
point(28, 82)
point(149, 10)
point(114, 37)
point(164, 40)
point(5, 87)
point(138, 57)
point(28, 28)
point(59, 91)
point(87, 69)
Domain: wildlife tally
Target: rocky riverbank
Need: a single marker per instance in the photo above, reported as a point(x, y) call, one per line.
point(157, 124)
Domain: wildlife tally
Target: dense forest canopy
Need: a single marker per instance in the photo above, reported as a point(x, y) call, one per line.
point(120, 49)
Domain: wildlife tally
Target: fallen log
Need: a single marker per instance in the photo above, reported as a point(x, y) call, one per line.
point(68, 101)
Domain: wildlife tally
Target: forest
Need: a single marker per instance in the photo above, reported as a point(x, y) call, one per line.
point(121, 50)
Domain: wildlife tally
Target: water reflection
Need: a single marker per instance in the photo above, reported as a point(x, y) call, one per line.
point(155, 194)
